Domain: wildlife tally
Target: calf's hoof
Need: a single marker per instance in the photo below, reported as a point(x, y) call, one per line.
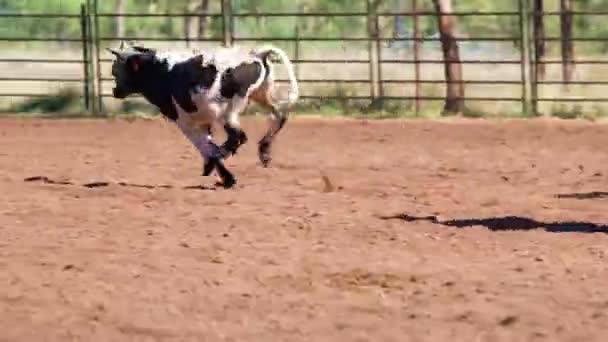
point(227, 183)
point(265, 160)
point(232, 145)
point(236, 138)
point(242, 138)
point(227, 178)
point(264, 153)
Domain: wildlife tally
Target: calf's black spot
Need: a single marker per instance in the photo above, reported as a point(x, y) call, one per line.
point(161, 84)
point(238, 80)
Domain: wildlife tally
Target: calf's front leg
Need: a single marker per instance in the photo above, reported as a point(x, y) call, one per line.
point(201, 138)
point(232, 126)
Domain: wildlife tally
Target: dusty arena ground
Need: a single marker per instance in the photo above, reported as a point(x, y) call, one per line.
point(361, 231)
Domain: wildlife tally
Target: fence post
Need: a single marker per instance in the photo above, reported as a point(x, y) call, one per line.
point(524, 54)
point(226, 8)
point(90, 63)
point(297, 47)
point(372, 53)
point(99, 90)
point(187, 30)
point(417, 41)
point(85, 56)
point(538, 66)
point(378, 47)
point(232, 23)
point(567, 47)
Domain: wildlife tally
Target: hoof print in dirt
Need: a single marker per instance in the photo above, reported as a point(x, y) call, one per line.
point(509, 320)
point(96, 184)
point(47, 180)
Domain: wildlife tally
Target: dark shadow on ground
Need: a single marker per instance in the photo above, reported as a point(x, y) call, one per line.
point(584, 195)
point(507, 223)
point(46, 180)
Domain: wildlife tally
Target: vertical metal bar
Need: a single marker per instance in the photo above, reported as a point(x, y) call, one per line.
point(523, 33)
point(567, 48)
point(223, 12)
point(538, 68)
point(85, 56)
point(297, 38)
point(532, 59)
point(187, 31)
point(417, 43)
point(226, 19)
point(297, 47)
point(232, 25)
point(371, 53)
point(99, 89)
point(90, 62)
point(378, 47)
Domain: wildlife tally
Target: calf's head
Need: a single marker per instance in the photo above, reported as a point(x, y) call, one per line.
point(130, 69)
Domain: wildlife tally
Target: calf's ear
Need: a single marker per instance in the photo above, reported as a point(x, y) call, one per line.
point(115, 53)
point(198, 59)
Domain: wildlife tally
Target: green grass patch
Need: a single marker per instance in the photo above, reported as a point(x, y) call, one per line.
point(65, 101)
point(69, 103)
point(576, 111)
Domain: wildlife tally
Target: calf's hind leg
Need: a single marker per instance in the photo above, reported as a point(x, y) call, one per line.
point(277, 121)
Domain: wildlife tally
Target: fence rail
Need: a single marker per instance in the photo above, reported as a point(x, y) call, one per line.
point(527, 81)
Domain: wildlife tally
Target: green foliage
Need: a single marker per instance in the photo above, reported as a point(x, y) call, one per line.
point(576, 111)
point(40, 27)
point(339, 26)
point(587, 26)
point(66, 100)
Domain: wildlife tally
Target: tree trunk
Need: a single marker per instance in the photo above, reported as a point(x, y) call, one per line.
point(202, 21)
point(566, 40)
point(539, 40)
point(120, 20)
point(454, 101)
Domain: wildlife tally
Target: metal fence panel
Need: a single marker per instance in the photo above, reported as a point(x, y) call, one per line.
point(362, 64)
point(15, 68)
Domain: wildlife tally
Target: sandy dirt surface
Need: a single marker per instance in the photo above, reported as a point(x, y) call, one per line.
point(429, 231)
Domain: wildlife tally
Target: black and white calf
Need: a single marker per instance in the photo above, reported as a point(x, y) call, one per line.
point(252, 79)
point(195, 93)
